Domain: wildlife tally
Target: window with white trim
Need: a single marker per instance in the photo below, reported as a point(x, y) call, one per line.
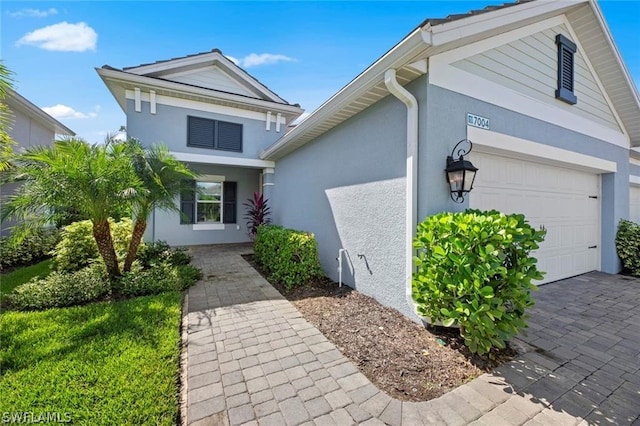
point(211, 200)
point(208, 202)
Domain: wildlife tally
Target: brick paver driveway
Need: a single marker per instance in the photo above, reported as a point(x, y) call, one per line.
point(252, 359)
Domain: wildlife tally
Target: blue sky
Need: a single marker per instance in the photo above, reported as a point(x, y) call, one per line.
point(304, 51)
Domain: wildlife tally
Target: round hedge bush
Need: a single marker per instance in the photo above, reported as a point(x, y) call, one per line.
point(474, 270)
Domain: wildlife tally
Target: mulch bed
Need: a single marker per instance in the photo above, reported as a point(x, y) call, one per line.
point(402, 358)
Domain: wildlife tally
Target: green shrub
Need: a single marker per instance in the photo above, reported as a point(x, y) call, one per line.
point(160, 251)
point(286, 255)
point(474, 269)
point(628, 245)
point(159, 278)
point(30, 250)
point(77, 247)
point(62, 289)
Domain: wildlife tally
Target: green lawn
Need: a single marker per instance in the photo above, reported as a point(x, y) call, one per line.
point(102, 364)
point(20, 276)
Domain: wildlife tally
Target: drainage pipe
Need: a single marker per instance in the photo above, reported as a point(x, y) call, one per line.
point(411, 204)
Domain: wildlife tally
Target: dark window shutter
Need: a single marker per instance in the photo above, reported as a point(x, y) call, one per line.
point(229, 198)
point(229, 136)
point(201, 132)
point(188, 203)
point(566, 50)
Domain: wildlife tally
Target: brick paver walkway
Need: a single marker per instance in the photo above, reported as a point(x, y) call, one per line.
point(252, 359)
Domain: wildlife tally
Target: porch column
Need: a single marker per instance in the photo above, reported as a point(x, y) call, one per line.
point(268, 175)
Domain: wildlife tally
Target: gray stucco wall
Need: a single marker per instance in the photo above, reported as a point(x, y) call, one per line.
point(446, 125)
point(26, 133)
point(166, 225)
point(634, 169)
point(348, 188)
point(169, 126)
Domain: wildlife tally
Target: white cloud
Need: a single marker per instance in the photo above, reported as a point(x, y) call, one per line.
point(32, 13)
point(255, 59)
point(64, 37)
point(62, 112)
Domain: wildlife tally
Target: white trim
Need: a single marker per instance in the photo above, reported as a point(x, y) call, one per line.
point(137, 100)
point(468, 27)
point(119, 79)
point(268, 124)
point(200, 106)
point(268, 170)
point(634, 180)
point(634, 161)
point(221, 160)
point(492, 142)
point(152, 101)
point(268, 184)
point(456, 80)
point(278, 122)
point(405, 51)
point(204, 60)
point(16, 101)
point(208, 226)
point(487, 44)
point(594, 74)
point(211, 178)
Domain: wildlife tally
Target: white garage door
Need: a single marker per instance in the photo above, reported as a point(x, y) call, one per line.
point(562, 200)
point(634, 203)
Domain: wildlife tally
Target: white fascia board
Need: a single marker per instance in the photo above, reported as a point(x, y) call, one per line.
point(174, 63)
point(154, 84)
point(493, 142)
point(222, 160)
point(605, 29)
point(398, 56)
point(593, 72)
point(447, 32)
point(206, 59)
point(16, 100)
point(486, 44)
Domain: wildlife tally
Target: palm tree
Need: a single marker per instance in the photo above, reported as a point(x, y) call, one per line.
point(6, 149)
point(162, 178)
point(72, 175)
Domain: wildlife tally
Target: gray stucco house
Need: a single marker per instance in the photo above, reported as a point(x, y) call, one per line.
point(538, 87)
point(30, 126)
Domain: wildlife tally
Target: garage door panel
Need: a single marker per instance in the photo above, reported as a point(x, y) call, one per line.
point(550, 196)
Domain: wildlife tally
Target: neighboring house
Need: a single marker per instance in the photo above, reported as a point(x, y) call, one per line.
point(558, 114)
point(215, 117)
point(30, 126)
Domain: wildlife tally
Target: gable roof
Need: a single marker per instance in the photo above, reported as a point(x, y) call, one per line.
point(17, 102)
point(435, 36)
point(161, 77)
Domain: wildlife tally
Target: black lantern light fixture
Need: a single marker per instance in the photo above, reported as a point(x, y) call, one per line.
point(460, 172)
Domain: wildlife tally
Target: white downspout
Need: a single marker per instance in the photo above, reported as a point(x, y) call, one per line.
point(412, 174)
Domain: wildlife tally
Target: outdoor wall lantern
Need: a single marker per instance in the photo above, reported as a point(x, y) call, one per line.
point(460, 172)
